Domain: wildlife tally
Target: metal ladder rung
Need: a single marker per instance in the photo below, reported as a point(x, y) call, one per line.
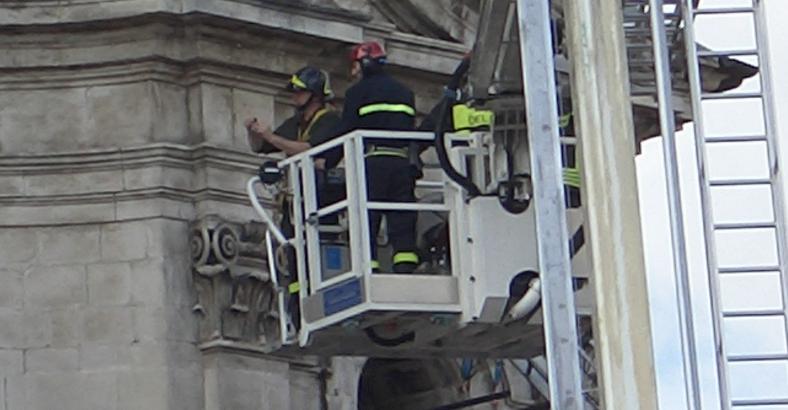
point(759, 402)
point(744, 225)
point(727, 53)
point(670, 19)
point(731, 96)
point(331, 209)
point(646, 31)
point(741, 182)
point(723, 10)
point(753, 313)
point(747, 269)
point(644, 93)
point(741, 138)
point(768, 357)
point(642, 63)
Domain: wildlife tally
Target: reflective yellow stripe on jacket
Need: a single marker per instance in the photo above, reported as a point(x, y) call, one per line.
point(385, 107)
point(387, 152)
point(563, 121)
point(571, 177)
point(405, 257)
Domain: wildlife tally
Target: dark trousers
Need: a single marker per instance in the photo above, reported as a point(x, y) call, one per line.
point(330, 190)
point(390, 179)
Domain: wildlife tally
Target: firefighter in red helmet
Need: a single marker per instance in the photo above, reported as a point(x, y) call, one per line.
point(379, 102)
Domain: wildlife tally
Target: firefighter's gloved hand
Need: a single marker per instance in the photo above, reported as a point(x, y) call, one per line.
point(414, 158)
point(416, 171)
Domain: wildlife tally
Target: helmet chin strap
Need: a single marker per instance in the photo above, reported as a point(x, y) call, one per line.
point(301, 109)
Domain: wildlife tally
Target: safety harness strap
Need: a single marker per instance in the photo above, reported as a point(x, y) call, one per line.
point(304, 136)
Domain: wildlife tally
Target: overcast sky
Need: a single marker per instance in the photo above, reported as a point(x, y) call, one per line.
point(761, 291)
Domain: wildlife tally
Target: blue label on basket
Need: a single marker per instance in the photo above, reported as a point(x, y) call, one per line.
point(342, 296)
point(333, 255)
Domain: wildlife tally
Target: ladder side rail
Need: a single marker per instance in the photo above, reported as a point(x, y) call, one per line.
point(310, 223)
point(362, 215)
point(458, 234)
point(773, 149)
point(278, 290)
point(376, 134)
point(298, 243)
point(707, 218)
point(352, 197)
point(668, 127)
point(353, 149)
point(538, 71)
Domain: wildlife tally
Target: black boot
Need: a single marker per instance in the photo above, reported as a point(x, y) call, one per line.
point(405, 267)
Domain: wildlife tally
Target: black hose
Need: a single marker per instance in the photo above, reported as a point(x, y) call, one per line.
point(396, 341)
point(474, 401)
point(440, 133)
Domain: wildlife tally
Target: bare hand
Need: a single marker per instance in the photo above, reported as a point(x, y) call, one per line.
point(248, 123)
point(260, 128)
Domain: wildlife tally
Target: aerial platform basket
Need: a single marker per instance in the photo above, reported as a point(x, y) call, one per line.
point(485, 305)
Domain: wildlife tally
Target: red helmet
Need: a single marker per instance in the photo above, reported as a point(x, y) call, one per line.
point(369, 49)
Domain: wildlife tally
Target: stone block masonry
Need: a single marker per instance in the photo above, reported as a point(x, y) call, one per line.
point(120, 126)
point(94, 317)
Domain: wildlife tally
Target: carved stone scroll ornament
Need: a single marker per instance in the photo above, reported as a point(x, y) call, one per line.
point(235, 297)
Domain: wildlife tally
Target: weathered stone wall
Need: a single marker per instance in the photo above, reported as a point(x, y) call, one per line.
point(98, 316)
point(120, 127)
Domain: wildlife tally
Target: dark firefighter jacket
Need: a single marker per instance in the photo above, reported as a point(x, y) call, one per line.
point(317, 131)
point(376, 102)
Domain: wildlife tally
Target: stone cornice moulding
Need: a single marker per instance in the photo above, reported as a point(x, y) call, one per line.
point(123, 158)
point(189, 175)
point(110, 208)
point(182, 195)
point(186, 74)
point(303, 20)
point(305, 363)
point(232, 12)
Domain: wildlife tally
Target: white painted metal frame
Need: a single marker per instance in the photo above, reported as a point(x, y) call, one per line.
point(537, 62)
point(705, 199)
point(776, 175)
point(272, 233)
point(307, 240)
point(677, 231)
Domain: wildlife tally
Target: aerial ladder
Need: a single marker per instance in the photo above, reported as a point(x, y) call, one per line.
point(745, 240)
